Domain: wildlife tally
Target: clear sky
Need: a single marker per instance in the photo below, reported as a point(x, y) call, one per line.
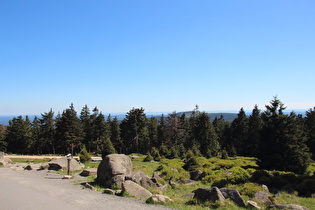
point(162, 55)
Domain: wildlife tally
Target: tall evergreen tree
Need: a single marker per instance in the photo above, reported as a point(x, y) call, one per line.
point(19, 136)
point(134, 131)
point(36, 147)
point(48, 133)
point(310, 130)
point(69, 131)
point(153, 132)
point(255, 125)
point(116, 135)
point(283, 140)
point(239, 132)
point(205, 134)
point(101, 134)
point(3, 143)
point(85, 117)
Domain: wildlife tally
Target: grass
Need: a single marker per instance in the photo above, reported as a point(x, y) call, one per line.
point(30, 160)
point(236, 172)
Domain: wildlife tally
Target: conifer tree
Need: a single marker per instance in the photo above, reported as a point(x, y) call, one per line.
point(239, 132)
point(115, 136)
point(283, 143)
point(134, 131)
point(3, 143)
point(310, 130)
point(69, 131)
point(205, 134)
point(19, 135)
point(255, 125)
point(36, 147)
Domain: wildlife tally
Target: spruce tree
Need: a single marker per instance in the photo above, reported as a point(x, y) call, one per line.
point(255, 125)
point(48, 133)
point(239, 132)
point(283, 142)
point(69, 131)
point(115, 136)
point(205, 134)
point(310, 130)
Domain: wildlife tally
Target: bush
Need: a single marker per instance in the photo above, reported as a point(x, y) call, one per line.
point(84, 155)
point(148, 158)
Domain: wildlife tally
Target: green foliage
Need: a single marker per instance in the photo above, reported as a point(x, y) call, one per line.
point(84, 155)
point(224, 154)
point(172, 169)
point(191, 162)
point(247, 189)
point(148, 158)
point(155, 154)
point(108, 148)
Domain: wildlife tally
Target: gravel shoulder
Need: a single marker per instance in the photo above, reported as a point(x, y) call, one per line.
point(42, 189)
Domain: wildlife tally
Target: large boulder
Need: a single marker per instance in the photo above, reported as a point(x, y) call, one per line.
point(234, 195)
point(135, 190)
point(209, 194)
point(140, 178)
point(113, 169)
point(59, 163)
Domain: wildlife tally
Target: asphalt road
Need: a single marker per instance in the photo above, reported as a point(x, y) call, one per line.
point(37, 190)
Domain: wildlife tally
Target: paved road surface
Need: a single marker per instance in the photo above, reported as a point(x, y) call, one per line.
point(37, 190)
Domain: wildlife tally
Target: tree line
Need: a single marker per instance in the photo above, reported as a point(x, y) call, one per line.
point(279, 141)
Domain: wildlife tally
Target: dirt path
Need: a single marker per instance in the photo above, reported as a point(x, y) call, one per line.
point(32, 190)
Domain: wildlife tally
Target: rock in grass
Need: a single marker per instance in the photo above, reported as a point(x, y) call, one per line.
point(263, 198)
point(288, 206)
point(135, 190)
point(234, 195)
point(253, 205)
point(209, 194)
point(159, 199)
point(140, 178)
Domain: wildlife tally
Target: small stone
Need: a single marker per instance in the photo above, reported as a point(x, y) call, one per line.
point(109, 191)
point(67, 177)
point(159, 199)
point(253, 205)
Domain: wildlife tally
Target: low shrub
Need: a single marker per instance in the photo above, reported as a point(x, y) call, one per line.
point(84, 155)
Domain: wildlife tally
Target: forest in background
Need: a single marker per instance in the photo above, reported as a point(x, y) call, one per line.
point(279, 141)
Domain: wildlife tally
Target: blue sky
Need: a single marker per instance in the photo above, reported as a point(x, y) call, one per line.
point(162, 55)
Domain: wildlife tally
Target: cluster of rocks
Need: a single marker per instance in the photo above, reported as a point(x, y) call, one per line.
point(115, 171)
point(215, 194)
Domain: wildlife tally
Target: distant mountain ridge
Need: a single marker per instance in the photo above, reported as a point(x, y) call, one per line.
point(4, 119)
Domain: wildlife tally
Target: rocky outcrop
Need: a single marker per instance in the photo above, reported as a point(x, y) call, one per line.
point(288, 206)
point(140, 178)
point(59, 163)
point(234, 195)
point(209, 194)
point(113, 169)
point(135, 190)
